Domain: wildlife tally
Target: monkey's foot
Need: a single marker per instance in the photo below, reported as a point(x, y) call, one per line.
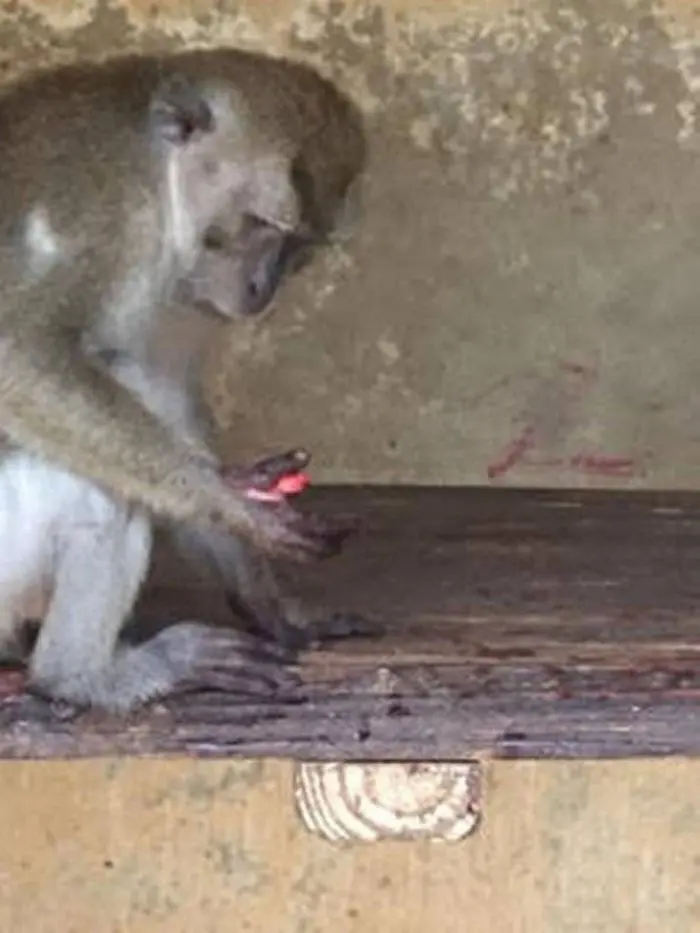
point(221, 659)
point(182, 657)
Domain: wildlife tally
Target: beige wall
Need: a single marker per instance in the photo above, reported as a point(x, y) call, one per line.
point(162, 847)
point(528, 250)
point(527, 258)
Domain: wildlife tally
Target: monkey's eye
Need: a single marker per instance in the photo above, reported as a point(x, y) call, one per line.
point(254, 289)
point(215, 239)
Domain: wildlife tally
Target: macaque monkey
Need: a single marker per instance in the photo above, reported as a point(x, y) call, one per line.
point(113, 179)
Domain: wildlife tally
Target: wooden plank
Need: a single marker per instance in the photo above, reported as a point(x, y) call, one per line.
point(518, 624)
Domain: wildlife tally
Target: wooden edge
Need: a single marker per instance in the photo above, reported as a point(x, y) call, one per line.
point(342, 721)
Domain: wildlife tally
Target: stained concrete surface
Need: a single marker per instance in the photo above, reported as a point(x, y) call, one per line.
point(517, 305)
point(519, 299)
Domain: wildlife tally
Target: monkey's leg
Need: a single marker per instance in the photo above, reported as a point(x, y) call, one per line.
point(254, 595)
point(78, 658)
point(102, 554)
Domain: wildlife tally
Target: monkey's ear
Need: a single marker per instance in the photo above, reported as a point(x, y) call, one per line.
point(179, 109)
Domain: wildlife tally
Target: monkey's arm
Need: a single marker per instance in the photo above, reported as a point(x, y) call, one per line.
point(54, 403)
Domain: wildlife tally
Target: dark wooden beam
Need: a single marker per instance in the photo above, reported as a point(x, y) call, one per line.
point(519, 624)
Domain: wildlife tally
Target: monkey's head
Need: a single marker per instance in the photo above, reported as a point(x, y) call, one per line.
point(261, 174)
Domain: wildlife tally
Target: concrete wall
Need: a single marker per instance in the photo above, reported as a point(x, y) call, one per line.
point(525, 272)
point(519, 305)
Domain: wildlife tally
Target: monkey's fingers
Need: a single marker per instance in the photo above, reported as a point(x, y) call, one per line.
point(340, 625)
point(267, 474)
point(281, 531)
point(326, 534)
point(314, 633)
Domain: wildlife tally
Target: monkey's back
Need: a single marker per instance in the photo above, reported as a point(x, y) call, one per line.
point(71, 130)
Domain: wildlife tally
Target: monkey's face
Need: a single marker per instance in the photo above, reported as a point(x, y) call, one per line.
point(241, 268)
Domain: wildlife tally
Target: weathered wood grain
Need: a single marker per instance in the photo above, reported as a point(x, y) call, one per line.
point(518, 624)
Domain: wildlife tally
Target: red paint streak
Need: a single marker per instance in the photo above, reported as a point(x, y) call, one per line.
point(514, 452)
point(594, 464)
point(523, 445)
point(601, 465)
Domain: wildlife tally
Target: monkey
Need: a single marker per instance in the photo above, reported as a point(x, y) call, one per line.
point(150, 150)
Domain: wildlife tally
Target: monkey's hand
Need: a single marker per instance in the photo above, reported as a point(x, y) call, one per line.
point(283, 531)
point(274, 478)
point(271, 481)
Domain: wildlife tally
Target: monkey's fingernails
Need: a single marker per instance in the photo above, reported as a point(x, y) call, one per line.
point(301, 458)
point(289, 461)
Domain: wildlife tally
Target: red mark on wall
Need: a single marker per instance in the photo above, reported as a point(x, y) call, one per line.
point(591, 464)
point(514, 452)
point(600, 465)
point(550, 418)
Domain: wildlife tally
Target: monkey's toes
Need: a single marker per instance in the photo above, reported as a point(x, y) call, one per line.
point(234, 662)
